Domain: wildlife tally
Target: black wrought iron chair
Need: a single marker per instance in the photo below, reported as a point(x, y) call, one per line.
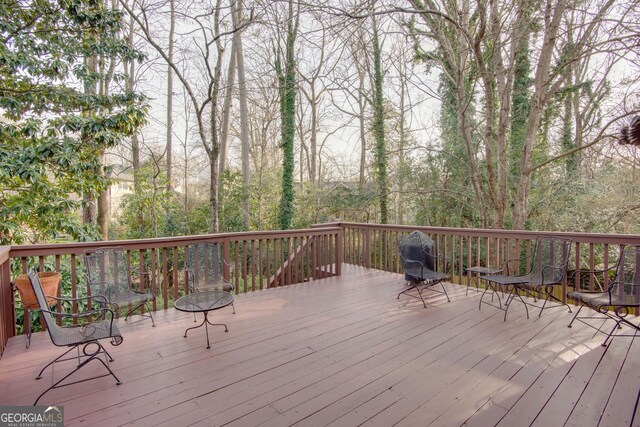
point(109, 274)
point(86, 334)
point(419, 263)
point(204, 266)
point(548, 270)
point(621, 296)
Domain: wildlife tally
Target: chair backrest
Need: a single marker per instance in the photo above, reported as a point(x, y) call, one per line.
point(626, 285)
point(417, 247)
point(49, 320)
point(204, 265)
point(108, 272)
point(550, 260)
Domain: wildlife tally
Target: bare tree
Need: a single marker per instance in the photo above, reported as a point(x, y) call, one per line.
point(209, 42)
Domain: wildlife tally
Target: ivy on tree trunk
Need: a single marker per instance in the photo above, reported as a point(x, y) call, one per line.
point(287, 80)
point(379, 154)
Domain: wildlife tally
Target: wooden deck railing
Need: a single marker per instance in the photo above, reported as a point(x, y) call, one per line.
point(280, 258)
point(374, 245)
point(259, 260)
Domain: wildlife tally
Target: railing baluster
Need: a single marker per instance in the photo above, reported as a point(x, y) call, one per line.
point(74, 288)
point(165, 279)
point(253, 265)
point(175, 273)
point(245, 277)
point(260, 263)
point(59, 291)
point(236, 273)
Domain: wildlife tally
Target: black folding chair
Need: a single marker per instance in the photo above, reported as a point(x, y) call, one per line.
point(86, 334)
point(618, 301)
point(417, 253)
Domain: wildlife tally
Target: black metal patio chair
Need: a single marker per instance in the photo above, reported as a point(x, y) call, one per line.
point(617, 302)
point(86, 334)
point(419, 263)
point(547, 271)
point(110, 275)
point(204, 266)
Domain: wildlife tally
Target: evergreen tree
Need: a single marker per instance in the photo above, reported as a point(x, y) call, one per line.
point(51, 131)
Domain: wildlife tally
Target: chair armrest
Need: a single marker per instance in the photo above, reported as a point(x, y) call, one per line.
point(81, 315)
point(580, 272)
point(519, 259)
point(102, 299)
point(439, 259)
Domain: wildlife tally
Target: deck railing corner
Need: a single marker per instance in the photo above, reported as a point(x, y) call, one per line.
point(7, 315)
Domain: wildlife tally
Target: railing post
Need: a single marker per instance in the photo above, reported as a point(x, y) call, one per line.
point(339, 251)
point(7, 312)
point(226, 255)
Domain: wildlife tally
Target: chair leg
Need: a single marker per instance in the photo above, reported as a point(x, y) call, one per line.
point(420, 293)
point(514, 292)
point(149, 311)
point(575, 317)
point(616, 326)
point(153, 323)
point(416, 286)
point(57, 359)
point(550, 296)
point(445, 292)
point(90, 356)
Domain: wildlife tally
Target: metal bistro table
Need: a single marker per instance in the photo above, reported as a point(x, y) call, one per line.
point(204, 302)
point(476, 272)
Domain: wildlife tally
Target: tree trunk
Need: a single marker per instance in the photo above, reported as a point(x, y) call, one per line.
point(363, 130)
point(169, 154)
point(553, 18)
point(401, 144)
point(313, 138)
point(90, 88)
point(380, 154)
point(288, 111)
point(226, 111)
point(244, 111)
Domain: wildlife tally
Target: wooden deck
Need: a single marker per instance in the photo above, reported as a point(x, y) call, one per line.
point(344, 351)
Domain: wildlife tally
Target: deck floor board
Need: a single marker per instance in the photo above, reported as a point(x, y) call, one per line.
point(344, 351)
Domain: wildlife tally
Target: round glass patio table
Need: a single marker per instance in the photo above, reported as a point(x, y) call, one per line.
point(204, 302)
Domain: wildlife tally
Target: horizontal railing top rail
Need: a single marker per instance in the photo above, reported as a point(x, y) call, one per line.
point(155, 243)
point(580, 237)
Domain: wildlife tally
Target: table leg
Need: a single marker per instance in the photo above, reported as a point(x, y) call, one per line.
point(473, 278)
point(206, 324)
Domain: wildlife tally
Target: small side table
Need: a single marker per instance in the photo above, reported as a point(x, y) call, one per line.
point(204, 302)
point(476, 272)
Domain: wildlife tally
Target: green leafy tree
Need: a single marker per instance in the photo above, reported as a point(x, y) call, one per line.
point(152, 211)
point(52, 133)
